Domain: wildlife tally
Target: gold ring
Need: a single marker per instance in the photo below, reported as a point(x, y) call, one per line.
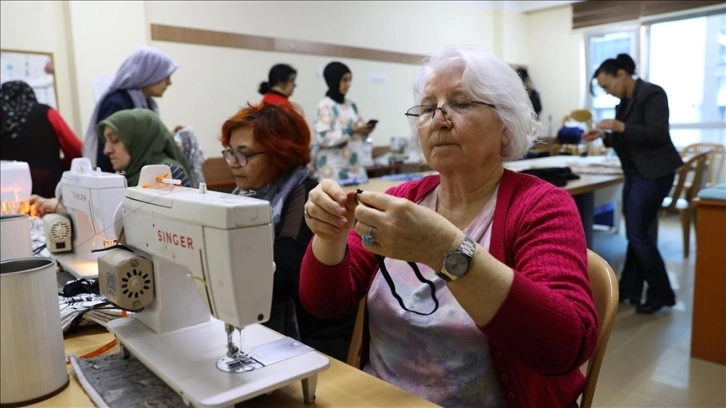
point(305, 210)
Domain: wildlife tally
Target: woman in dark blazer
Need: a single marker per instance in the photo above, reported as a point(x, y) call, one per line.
point(641, 138)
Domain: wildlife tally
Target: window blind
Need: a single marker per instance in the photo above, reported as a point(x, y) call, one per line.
point(597, 12)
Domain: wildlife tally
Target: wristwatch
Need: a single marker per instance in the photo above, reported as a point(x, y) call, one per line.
point(457, 262)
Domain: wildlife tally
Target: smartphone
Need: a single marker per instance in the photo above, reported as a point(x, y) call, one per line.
point(372, 122)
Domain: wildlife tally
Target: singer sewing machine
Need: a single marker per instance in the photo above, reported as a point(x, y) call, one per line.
point(194, 253)
point(90, 198)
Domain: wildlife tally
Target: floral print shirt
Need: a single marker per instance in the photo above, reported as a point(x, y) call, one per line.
point(337, 150)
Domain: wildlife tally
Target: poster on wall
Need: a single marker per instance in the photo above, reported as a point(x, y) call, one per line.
point(35, 68)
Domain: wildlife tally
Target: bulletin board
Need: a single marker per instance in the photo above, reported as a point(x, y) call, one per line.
point(35, 68)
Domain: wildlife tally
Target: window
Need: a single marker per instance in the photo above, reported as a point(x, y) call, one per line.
point(687, 57)
point(697, 89)
point(601, 47)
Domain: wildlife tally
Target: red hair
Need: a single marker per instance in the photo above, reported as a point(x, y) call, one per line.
point(278, 129)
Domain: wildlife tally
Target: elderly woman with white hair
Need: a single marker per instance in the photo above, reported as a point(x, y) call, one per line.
point(475, 279)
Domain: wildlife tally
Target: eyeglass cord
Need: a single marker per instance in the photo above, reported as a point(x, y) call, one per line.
point(389, 280)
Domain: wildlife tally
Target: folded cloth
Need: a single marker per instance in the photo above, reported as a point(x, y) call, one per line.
point(85, 309)
point(112, 381)
point(558, 176)
point(713, 193)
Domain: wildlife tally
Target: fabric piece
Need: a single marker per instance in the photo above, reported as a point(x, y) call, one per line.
point(333, 74)
point(192, 151)
point(147, 140)
point(713, 193)
point(112, 381)
point(406, 348)
point(145, 66)
point(558, 176)
point(17, 100)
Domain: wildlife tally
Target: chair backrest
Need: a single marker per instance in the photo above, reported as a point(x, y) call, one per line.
point(714, 164)
point(604, 286)
point(579, 115)
point(583, 116)
point(683, 187)
point(356, 340)
point(217, 175)
point(605, 294)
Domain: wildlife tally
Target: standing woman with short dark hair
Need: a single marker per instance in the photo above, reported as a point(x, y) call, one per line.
point(641, 138)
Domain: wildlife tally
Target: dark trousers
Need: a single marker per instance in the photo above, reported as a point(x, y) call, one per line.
point(642, 199)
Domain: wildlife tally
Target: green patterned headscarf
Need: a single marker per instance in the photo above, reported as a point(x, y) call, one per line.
point(147, 140)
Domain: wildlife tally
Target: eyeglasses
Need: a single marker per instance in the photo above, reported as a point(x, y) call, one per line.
point(422, 115)
point(242, 157)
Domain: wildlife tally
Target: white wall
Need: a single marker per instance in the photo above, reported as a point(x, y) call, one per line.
point(90, 38)
point(556, 63)
point(41, 26)
point(221, 80)
point(102, 34)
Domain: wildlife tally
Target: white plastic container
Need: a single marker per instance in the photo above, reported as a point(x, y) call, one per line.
point(31, 339)
point(15, 237)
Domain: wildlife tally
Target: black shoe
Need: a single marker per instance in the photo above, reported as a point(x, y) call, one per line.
point(650, 307)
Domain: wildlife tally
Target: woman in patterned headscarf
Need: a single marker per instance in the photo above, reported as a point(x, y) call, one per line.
point(36, 134)
point(145, 74)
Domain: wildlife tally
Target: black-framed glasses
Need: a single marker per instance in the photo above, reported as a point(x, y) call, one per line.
point(422, 115)
point(242, 157)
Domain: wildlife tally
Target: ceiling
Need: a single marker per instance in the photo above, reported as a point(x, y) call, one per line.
point(521, 6)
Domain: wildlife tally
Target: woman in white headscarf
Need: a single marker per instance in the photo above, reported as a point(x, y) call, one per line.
point(145, 74)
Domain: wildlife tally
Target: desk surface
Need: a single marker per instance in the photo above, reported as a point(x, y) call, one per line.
point(340, 385)
point(585, 184)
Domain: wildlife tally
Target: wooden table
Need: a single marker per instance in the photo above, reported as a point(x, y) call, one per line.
point(582, 189)
point(708, 336)
point(339, 386)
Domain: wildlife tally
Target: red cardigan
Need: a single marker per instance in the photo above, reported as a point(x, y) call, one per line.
point(547, 326)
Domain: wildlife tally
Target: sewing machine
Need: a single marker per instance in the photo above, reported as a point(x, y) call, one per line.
point(90, 198)
point(15, 187)
point(194, 253)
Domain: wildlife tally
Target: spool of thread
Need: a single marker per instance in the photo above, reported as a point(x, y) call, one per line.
point(31, 339)
point(15, 236)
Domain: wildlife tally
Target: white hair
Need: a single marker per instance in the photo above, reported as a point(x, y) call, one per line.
point(488, 79)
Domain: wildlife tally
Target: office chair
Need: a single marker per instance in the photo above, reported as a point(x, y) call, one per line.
point(217, 175)
point(685, 190)
point(604, 286)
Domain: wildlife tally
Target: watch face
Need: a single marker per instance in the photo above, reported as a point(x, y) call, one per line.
point(456, 264)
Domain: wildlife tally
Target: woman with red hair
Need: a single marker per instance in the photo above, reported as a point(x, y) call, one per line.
point(267, 147)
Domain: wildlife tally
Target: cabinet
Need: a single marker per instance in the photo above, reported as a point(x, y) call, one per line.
point(708, 338)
